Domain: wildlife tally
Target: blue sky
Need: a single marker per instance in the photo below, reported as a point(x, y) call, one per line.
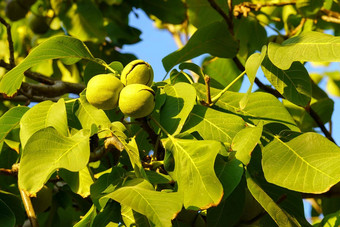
point(156, 44)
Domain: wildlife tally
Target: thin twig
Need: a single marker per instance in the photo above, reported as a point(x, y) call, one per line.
point(7, 172)
point(302, 22)
point(227, 18)
point(29, 208)
point(10, 42)
point(207, 85)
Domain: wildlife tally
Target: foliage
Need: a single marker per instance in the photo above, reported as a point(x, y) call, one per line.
point(207, 155)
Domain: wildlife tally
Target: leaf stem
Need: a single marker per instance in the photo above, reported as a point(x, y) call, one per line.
point(218, 96)
point(207, 85)
point(160, 126)
point(29, 208)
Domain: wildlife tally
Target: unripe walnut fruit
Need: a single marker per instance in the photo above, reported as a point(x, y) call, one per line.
point(103, 91)
point(137, 72)
point(14, 11)
point(137, 100)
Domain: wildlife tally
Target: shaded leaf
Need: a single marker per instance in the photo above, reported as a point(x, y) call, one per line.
point(281, 217)
point(308, 46)
point(10, 120)
point(43, 115)
point(180, 100)
point(88, 218)
point(158, 207)
point(294, 84)
point(245, 141)
point(213, 125)
point(48, 150)
point(53, 48)
point(194, 171)
point(308, 163)
point(214, 39)
point(7, 217)
point(331, 220)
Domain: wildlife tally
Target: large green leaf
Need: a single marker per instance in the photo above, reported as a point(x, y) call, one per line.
point(308, 163)
point(53, 48)
point(171, 12)
point(294, 84)
point(245, 141)
point(89, 115)
point(308, 46)
point(261, 107)
point(10, 120)
point(214, 39)
point(281, 217)
point(84, 21)
point(159, 207)
point(200, 12)
point(41, 116)
point(194, 171)
point(213, 125)
point(48, 150)
point(180, 100)
point(88, 219)
point(7, 217)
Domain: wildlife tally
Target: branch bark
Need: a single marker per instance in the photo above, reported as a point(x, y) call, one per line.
point(10, 41)
point(29, 208)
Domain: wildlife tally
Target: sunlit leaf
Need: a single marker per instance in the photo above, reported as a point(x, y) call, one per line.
point(308, 163)
point(41, 116)
point(46, 151)
point(194, 171)
point(294, 84)
point(213, 125)
point(308, 46)
point(10, 120)
point(53, 48)
point(158, 207)
point(180, 100)
point(88, 218)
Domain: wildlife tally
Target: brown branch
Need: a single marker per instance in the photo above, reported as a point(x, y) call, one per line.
point(277, 94)
point(29, 208)
point(159, 149)
point(51, 91)
point(7, 172)
point(227, 18)
point(10, 42)
point(245, 7)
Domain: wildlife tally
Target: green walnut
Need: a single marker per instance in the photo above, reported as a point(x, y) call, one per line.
point(27, 3)
point(38, 24)
point(14, 11)
point(136, 100)
point(137, 72)
point(103, 91)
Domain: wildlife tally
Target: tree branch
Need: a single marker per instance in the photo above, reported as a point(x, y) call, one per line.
point(10, 42)
point(245, 7)
point(29, 208)
point(228, 19)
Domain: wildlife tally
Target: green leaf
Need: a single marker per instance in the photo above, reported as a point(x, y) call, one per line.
point(89, 115)
point(133, 218)
point(261, 107)
point(245, 141)
point(253, 63)
point(194, 171)
point(229, 173)
point(213, 125)
point(281, 217)
point(79, 182)
point(109, 217)
point(308, 163)
point(171, 12)
point(7, 217)
point(10, 120)
point(48, 150)
point(193, 67)
point(180, 100)
point(308, 46)
point(309, 8)
point(84, 21)
point(88, 219)
point(222, 71)
point(43, 115)
point(158, 207)
point(200, 12)
point(214, 39)
point(331, 220)
point(294, 84)
point(53, 48)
